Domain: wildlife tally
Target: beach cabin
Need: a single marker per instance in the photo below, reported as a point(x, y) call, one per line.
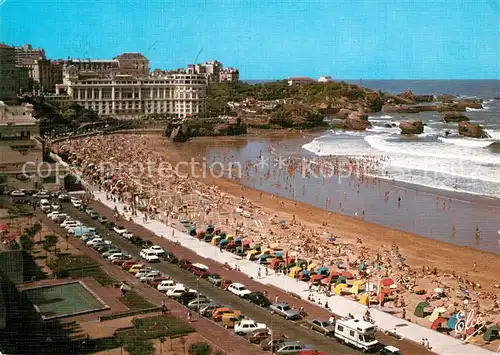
point(252, 254)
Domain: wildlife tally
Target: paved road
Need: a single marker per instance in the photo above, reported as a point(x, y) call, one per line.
point(292, 329)
point(225, 340)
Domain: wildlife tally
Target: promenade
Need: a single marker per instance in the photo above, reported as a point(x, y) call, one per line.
point(440, 343)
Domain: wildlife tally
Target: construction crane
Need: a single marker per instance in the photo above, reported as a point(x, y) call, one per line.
point(196, 58)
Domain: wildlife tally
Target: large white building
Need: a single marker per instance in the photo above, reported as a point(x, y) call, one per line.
point(102, 85)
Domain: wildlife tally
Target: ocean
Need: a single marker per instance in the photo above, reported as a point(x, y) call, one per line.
point(448, 185)
point(433, 159)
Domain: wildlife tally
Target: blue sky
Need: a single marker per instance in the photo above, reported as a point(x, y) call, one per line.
point(272, 39)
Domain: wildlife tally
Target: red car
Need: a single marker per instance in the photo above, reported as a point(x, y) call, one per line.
point(156, 281)
point(199, 270)
point(185, 264)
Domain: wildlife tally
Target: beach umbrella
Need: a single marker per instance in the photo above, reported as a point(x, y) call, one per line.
point(387, 282)
point(338, 288)
point(438, 290)
point(246, 242)
point(282, 222)
point(492, 333)
point(438, 303)
point(341, 280)
point(306, 272)
point(377, 267)
point(316, 277)
point(340, 264)
point(322, 270)
point(452, 322)
point(3, 227)
point(438, 323)
point(364, 298)
point(275, 246)
point(347, 274)
point(278, 254)
point(419, 310)
point(361, 266)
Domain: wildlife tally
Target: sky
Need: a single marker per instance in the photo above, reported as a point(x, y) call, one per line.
point(272, 39)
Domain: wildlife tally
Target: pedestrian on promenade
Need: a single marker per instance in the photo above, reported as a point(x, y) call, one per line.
point(404, 314)
point(267, 271)
point(163, 307)
point(189, 315)
point(276, 299)
point(258, 274)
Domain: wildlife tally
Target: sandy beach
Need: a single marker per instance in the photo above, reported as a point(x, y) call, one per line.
point(415, 263)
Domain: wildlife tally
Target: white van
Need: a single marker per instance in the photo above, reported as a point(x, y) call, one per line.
point(357, 333)
point(45, 205)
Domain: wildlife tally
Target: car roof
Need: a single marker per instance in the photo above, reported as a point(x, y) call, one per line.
point(281, 304)
point(243, 321)
point(391, 348)
point(237, 284)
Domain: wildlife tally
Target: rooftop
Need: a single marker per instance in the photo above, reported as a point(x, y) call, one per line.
point(16, 115)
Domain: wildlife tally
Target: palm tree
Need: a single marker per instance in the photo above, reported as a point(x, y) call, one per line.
point(49, 242)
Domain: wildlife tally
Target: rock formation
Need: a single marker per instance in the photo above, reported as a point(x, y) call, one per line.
point(388, 108)
point(463, 104)
point(412, 127)
point(467, 129)
point(357, 121)
point(454, 116)
point(343, 113)
point(445, 98)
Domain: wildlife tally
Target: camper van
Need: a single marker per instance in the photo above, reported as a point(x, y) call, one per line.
point(45, 205)
point(357, 333)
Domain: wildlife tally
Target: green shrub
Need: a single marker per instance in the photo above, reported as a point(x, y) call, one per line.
point(200, 348)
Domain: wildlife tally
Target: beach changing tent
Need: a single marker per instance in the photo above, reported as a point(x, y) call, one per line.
point(492, 333)
point(419, 310)
point(439, 323)
point(452, 322)
point(294, 271)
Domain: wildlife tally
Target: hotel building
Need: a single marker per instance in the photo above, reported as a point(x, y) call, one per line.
point(124, 88)
point(13, 79)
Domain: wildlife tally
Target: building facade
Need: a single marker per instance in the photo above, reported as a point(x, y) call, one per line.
point(26, 53)
point(13, 79)
point(231, 75)
point(172, 94)
point(47, 73)
point(18, 129)
point(325, 79)
point(134, 64)
point(300, 80)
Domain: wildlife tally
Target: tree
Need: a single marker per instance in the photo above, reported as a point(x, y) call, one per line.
point(27, 243)
point(200, 348)
point(3, 183)
point(49, 242)
point(138, 346)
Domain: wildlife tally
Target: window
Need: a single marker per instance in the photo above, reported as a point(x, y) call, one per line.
point(351, 333)
point(340, 328)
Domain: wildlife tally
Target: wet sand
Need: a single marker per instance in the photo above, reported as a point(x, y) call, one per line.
point(440, 215)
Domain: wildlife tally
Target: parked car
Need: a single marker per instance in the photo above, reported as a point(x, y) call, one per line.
point(196, 304)
point(95, 241)
point(110, 251)
point(199, 270)
point(239, 289)
point(215, 279)
point(158, 250)
point(94, 215)
point(134, 269)
point(64, 197)
point(166, 285)
point(143, 272)
point(177, 291)
point(283, 309)
point(258, 335)
point(190, 295)
point(290, 348)
point(322, 326)
point(18, 193)
point(390, 350)
point(155, 281)
point(127, 235)
point(219, 312)
point(128, 264)
point(258, 298)
point(102, 219)
point(76, 203)
point(209, 309)
point(272, 344)
point(55, 207)
point(246, 326)
point(119, 229)
point(150, 275)
point(149, 256)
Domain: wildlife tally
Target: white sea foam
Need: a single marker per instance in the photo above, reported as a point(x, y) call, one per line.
point(470, 109)
point(467, 142)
